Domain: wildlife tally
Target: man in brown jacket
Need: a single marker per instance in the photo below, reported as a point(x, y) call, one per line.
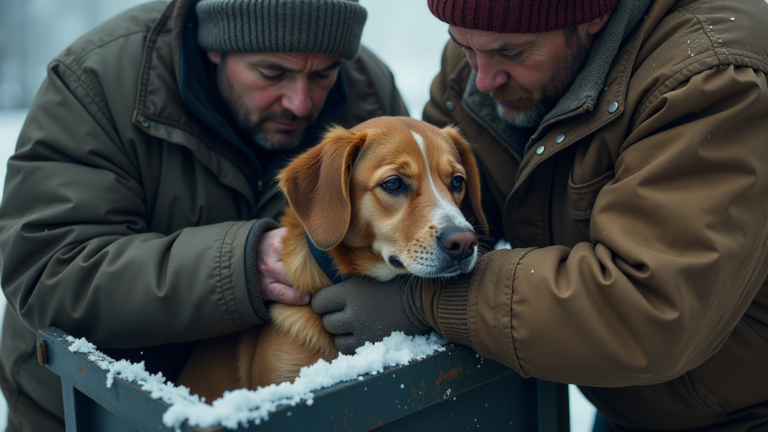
point(624, 152)
point(137, 200)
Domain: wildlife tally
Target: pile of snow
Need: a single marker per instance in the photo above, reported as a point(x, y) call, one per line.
point(239, 407)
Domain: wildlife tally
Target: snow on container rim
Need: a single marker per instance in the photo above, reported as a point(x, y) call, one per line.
point(239, 407)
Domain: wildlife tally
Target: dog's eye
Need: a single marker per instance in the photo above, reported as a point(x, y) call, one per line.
point(457, 182)
point(393, 185)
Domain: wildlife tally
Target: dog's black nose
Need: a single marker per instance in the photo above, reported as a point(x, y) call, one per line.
point(457, 243)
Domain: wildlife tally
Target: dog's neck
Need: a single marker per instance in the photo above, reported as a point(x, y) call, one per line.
point(299, 263)
point(325, 261)
point(307, 275)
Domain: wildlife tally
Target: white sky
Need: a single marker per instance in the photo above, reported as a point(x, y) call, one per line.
point(410, 40)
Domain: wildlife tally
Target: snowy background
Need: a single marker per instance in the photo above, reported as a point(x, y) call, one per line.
point(32, 32)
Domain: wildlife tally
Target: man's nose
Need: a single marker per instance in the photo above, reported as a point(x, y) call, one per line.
point(296, 98)
point(489, 78)
point(457, 243)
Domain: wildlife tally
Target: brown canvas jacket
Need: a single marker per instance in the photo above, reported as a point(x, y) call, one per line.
point(124, 218)
point(638, 224)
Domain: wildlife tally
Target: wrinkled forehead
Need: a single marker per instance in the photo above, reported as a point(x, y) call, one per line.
point(484, 41)
point(406, 143)
point(288, 62)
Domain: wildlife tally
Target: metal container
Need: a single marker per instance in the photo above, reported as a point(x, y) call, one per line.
point(450, 391)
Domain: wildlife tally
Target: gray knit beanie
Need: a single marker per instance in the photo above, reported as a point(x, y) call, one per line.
point(304, 26)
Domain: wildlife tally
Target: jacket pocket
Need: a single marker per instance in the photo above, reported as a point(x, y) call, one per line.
point(581, 197)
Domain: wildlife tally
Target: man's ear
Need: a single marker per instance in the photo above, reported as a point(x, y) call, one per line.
point(597, 24)
point(473, 175)
point(316, 184)
point(214, 57)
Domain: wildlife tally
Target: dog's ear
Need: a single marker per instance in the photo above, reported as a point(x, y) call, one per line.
point(473, 175)
point(316, 184)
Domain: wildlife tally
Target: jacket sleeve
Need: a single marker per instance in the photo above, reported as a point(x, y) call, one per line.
point(677, 252)
point(75, 243)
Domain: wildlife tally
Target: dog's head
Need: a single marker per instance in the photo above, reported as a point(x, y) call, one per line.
point(384, 198)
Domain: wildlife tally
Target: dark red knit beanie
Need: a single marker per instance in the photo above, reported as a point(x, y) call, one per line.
point(519, 16)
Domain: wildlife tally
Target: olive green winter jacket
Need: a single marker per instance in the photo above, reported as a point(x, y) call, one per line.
point(125, 217)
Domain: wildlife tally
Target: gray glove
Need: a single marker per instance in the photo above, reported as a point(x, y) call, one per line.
point(362, 309)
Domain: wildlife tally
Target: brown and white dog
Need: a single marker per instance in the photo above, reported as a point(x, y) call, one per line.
point(383, 199)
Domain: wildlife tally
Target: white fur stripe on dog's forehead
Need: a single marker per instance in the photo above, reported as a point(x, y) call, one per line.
point(448, 209)
point(420, 141)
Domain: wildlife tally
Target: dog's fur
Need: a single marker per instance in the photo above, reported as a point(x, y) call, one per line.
point(336, 196)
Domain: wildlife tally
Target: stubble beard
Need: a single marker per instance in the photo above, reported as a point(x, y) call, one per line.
point(569, 68)
point(241, 114)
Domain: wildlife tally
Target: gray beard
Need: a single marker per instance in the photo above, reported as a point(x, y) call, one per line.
point(240, 114)
point(529, 118)
point(570, 67)
point(260, 138)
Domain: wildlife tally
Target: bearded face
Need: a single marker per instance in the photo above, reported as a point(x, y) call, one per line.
point(527, 73)
point(523, 109)
point(274, 97)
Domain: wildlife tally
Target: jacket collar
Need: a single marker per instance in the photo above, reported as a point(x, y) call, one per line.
point(162, 113)
point(582, 95)
point(196, 90)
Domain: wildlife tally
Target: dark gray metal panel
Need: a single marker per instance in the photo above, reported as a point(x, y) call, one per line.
point(499, 405)
point(125, 400)
point(550, 399)
point(414, 397)
point(563, 407)
point(77, 409)
point(379, 399)
point(105, 421)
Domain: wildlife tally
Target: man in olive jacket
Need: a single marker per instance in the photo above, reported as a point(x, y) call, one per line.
point(624, 152)
point(142, 182)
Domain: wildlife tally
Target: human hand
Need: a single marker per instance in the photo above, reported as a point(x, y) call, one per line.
point(274, 284)
point(361, 309)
